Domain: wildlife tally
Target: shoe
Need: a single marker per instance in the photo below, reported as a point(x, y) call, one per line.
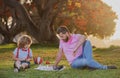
point(91, 68)
point(111, 67)
point(59, 68)
point(16, 70)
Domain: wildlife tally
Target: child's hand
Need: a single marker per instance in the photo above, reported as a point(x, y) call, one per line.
point(21, 59)
point(28, 59)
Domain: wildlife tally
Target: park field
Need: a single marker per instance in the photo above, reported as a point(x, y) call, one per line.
point(106, 56)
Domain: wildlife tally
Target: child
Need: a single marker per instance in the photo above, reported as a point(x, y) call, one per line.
point(22, 54)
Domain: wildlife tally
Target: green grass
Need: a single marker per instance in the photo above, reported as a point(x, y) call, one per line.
point(107, 56)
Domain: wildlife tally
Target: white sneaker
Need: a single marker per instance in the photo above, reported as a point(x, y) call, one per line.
point(15, 70)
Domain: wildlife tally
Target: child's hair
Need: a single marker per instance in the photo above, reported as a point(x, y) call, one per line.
point(62, 29)
point(23, 41)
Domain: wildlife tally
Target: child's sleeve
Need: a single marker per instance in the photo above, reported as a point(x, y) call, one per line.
point(15, 52)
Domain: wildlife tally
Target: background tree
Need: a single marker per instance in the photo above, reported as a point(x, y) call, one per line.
point(90, 17)
point(43, 14)
point(8, 28)
point(100, 18)
point(19, 20)
point(40, 18)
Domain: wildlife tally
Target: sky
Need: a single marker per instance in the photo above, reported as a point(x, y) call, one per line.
point(115, 4)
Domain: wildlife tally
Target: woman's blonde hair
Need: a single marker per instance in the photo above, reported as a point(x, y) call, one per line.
point(23, 41)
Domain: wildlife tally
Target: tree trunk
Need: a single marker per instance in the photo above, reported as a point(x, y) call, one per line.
point(7, 39)
point(47, 33)
point(22, 18)
point(43, 32)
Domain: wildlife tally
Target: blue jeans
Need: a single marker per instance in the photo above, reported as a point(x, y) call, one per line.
point(86, 58)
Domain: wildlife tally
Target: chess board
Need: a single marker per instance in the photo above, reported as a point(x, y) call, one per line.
point(47, 68)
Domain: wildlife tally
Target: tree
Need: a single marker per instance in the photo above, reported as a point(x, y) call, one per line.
point(8, 28)
point(90, 17)
point(21, 20)
point(100, 18)
point(46, 12)
point(39, 18)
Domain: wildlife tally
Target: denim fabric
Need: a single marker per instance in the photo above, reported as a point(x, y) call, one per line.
point(86, 58)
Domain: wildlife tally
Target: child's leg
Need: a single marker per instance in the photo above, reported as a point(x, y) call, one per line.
point(25, 64)
point(17, 64)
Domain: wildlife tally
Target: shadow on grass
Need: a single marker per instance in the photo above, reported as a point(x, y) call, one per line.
point(10, 47)
point(44, 46)
point(4, 50)
point(7, 47)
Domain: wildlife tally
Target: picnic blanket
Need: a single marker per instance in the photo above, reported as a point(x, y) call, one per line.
point(47, 68)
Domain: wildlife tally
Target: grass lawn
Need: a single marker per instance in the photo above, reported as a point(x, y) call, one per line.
point(109, 56)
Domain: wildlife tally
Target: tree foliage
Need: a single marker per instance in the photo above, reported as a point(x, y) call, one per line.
point(90, 17)
point(100, 18)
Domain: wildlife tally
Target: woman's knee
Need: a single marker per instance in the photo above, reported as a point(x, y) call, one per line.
point(78, 63)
